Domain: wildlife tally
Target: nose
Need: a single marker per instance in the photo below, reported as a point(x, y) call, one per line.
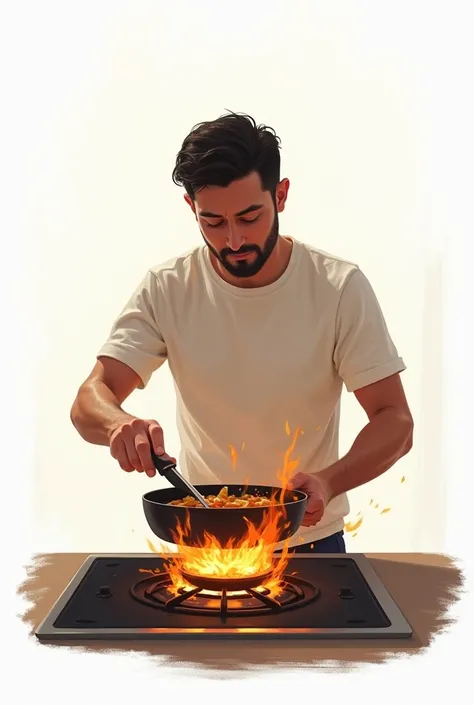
point(235, 239)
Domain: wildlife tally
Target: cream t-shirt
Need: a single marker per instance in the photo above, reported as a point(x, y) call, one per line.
point(251, 364)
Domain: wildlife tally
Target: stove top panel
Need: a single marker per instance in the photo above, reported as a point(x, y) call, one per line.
point(344, 598)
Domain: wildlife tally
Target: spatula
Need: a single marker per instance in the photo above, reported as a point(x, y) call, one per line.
point(168, 469)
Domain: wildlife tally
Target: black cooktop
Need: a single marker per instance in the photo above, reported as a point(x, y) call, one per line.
point(125, 596)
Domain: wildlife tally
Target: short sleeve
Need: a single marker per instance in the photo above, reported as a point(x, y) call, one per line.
point(364, 352)
point(135, 338)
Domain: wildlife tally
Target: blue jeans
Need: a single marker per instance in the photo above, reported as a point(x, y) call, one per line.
point(331, 544)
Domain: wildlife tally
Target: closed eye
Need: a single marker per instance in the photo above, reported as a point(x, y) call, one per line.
point(242, 220)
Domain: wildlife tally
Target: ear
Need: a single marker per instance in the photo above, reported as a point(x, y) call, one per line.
point(281, 195)
point(190, 202)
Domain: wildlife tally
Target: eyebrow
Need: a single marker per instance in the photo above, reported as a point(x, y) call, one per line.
point(250, 209)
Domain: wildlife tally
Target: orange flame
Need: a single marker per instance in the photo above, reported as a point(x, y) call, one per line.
point(252, 555)
point(353, 526)
point(233, 455)
point(289, 466)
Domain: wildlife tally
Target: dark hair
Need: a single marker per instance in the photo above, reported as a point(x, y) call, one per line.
point(233, 146)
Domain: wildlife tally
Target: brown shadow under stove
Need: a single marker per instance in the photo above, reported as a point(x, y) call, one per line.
point(423, 586)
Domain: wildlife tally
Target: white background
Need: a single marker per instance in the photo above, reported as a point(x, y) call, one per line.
point(372, 103)
point(118, 97)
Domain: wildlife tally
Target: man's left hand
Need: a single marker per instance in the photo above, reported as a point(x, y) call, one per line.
point(318, 496)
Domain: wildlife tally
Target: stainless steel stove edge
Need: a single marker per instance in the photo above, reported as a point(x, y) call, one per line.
point(399, 627)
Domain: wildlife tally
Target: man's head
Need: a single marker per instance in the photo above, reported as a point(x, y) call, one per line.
point(230, 169)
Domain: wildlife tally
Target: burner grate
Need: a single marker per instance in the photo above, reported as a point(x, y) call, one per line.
point(155, 592)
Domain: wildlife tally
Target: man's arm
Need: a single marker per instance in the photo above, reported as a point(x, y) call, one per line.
point(368, 362)
point(382, 442)
point(97, 410)
point(134, 350)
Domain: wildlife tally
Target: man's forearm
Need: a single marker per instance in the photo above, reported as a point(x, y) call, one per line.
point(380, 444)
point(96, 413)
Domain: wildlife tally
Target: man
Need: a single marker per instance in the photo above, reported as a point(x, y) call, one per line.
point(259, 329)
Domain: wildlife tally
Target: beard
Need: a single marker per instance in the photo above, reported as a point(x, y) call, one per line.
point(247, 267)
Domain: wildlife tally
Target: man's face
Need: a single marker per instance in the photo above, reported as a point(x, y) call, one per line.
point(239, 223)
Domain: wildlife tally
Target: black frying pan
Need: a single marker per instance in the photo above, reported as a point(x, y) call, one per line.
point(224, 524)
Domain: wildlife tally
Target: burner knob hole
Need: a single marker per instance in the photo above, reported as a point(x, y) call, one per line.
point(104, 591)
point(346, 594)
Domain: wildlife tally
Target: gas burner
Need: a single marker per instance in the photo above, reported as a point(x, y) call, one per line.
point(225, 602)
point(206, 582)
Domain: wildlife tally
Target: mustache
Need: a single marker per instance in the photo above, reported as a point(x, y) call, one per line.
point(243, 250)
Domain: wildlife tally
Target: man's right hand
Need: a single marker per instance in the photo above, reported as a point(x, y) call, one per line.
point(130, 445)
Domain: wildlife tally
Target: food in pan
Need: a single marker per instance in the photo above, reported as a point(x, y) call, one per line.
point(224, 500)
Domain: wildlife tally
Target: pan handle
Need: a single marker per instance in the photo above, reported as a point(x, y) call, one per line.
point(162, 464)
point(167, 469)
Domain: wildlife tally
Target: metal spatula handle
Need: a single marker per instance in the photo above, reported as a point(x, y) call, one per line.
point(168, 469)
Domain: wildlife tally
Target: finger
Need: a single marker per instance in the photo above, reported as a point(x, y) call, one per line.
point(302, 481)
point(128, 438)
point(142, 446)
point(315, 504)
point(297, 482)
point(168, 457)
point(156, 435)
point(311, 519)
point(119, 452)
